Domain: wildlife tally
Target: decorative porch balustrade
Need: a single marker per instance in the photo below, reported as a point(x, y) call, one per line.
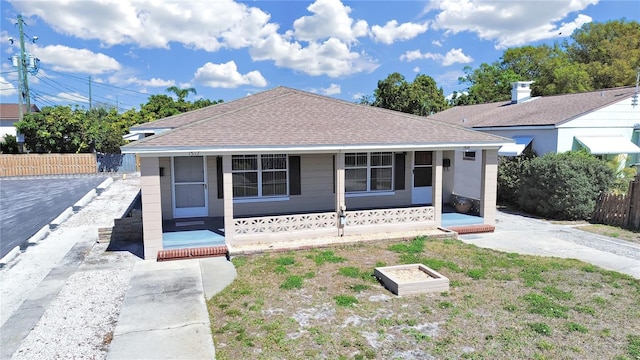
point(391, 216)
point(327, 221)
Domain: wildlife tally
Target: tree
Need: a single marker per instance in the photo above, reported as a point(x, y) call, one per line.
point(9, 145)
point(610, 51)
point(420, 97)
point(488, 83)
point(181, 94)
point(55, 129)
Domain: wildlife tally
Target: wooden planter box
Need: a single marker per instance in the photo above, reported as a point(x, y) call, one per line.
point(411, 279)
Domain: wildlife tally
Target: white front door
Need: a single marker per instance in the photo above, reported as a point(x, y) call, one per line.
point(190, 187)
point(422, 190)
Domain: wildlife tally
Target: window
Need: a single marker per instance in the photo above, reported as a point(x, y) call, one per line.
point(469, 155)
point(259, 175)
point(368, 171)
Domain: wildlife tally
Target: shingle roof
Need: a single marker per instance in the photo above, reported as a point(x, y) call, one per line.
point(10, 111)
point(284, 117)
point(546, 110)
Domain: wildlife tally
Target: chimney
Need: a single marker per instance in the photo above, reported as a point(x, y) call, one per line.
point(520, 92)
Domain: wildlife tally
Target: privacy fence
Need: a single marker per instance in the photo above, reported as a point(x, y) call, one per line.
point(620, 210)
point(61, 164)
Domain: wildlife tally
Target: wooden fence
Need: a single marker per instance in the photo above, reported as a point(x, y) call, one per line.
point(620, 210)
point(47, 164)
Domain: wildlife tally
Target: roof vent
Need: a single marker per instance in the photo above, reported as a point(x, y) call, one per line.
point(520, 91)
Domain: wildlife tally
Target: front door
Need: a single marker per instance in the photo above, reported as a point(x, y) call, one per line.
point(421, 191)
point(190, 187)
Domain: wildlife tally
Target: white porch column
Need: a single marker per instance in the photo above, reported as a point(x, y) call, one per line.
point(340, 202)
point(437, 187)
point(489, 186)
point(151, 206)
point(227, 186)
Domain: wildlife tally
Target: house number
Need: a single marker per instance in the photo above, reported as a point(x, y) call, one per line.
point(194, 153)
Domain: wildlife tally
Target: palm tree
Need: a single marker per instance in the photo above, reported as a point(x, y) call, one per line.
point(181, 93)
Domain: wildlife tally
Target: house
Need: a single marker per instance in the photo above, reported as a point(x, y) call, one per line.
point(9, 116)
point(604, 122)
point(285, 164)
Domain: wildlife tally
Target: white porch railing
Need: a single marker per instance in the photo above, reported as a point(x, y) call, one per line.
point(284, 223)
point(319, 223)
point(422, 214)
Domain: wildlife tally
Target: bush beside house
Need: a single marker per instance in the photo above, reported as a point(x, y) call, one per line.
point(558, 186)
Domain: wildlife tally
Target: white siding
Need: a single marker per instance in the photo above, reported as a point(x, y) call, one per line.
point(544, 140)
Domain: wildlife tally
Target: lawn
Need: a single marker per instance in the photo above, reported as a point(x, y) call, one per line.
point(612, 231)
point(326, 304)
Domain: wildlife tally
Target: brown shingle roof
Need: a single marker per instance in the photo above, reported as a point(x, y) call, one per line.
point(284, 117)
point(546, 110)
point(10, 111)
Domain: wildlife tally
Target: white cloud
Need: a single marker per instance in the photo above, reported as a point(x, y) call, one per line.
point(64, 97)
point(416, 69)
point(437, 43)
point(65, 59)
point(6, 87)
point(357, 96)
point(512, 23)
point(153, 82)
point(207, 25)
point(391, 31)
point(454, 56)
point(333, 89)
point(330, 19)
point(332, 57)
point(227, 76)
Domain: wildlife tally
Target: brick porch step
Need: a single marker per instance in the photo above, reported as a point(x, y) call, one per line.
point(472, 229)
point(191, 253)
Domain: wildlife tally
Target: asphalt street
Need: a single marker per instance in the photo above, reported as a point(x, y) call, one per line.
point(28, 204)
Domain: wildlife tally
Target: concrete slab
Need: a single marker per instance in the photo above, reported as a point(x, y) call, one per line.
point(217, 274)
point(164, 314)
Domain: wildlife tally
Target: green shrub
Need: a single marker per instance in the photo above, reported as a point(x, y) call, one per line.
point(563, 186)
point(509, 172)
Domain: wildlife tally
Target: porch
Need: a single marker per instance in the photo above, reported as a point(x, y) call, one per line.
point(250, 232)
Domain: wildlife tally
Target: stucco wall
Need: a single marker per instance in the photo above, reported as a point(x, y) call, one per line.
point(448, 176)
point(166, 188)
point(544, 141)
point(467, 179)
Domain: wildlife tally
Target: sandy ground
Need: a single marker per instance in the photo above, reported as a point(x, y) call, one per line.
point(79, 321)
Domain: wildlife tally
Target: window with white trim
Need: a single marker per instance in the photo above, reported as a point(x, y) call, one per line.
point(469, 155)
point(368, 172)
point(259, 175)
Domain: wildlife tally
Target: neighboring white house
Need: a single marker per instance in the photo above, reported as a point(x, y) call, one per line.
point(9, 114)
point(604, 122)
point(286, 164)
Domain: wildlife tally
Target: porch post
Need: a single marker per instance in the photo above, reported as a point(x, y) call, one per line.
point(151, 206)
point(437, 187)
point(227, 193)
point(340, 202)
point(489, 186)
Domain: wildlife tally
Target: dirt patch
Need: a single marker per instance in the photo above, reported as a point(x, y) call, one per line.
point(612, 231)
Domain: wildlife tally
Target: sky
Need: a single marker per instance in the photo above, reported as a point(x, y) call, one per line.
point(119, 52)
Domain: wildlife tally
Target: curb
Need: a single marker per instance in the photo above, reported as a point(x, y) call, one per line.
point(10, 256)
point(61, 218)
point(104, 185)
point(41, 234)
point(85, 200)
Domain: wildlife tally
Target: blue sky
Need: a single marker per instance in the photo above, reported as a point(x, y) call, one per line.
point(227, 49)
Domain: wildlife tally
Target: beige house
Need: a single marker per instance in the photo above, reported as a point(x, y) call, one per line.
point(286, 164)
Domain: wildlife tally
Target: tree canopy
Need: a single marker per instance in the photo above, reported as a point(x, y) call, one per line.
point(420, 97)
point(65, 129)
point(598, 56)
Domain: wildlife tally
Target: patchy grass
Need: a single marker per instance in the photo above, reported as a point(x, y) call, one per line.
point(612, 231)
point(326, 304)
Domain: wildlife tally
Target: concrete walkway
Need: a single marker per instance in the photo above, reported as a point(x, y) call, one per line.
point(164, 314)
point(525, 235)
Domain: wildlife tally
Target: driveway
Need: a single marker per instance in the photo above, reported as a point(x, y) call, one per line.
point(525, 235)
point(28, 204)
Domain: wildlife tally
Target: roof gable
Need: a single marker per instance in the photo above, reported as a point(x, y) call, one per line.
point(284, 117)
point(546, 110)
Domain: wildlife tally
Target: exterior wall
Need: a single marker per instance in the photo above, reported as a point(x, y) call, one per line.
point(448, 176)
point(215, 205)
point(544, 140)
point(489, 186)
point(7, 127)
point(467, 181)
point(166, 188)
point(151, 206)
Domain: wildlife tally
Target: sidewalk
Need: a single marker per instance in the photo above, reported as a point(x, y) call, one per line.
point(164, 314)
point(524, 235)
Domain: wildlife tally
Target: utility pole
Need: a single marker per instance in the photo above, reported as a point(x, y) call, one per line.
point(26, 64)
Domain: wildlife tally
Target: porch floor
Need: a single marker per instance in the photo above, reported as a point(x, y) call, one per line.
point(192, 233)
